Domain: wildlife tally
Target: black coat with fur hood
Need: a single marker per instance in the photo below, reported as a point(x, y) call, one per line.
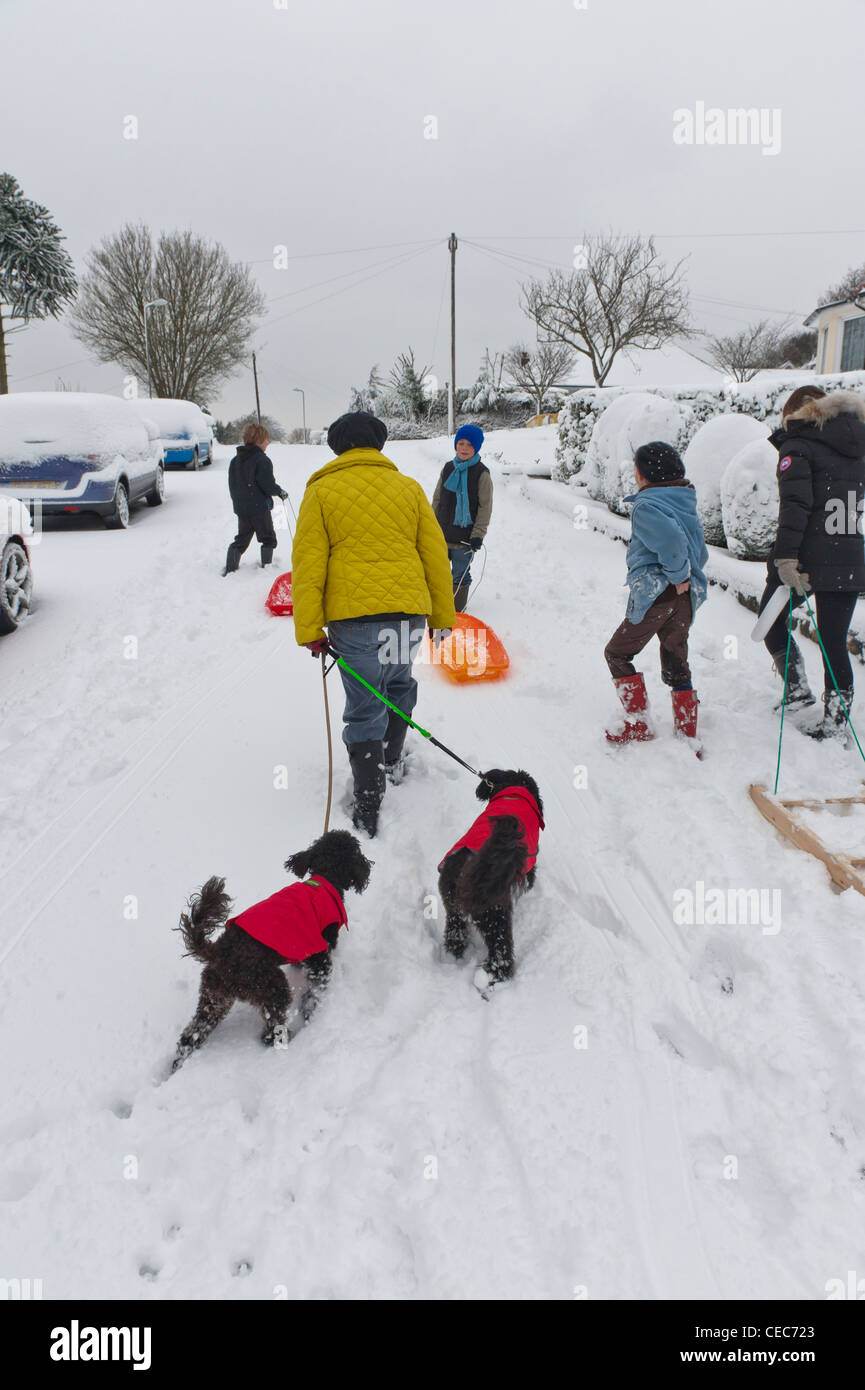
point(821, 486)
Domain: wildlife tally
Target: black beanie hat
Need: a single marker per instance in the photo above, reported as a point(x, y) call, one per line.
point(659, 462)
point(357, 430)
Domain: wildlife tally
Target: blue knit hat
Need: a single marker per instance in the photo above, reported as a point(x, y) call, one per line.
point(473, 433)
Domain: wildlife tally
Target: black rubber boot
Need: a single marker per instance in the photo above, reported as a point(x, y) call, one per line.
point(394, 742)
point(232, 560)
point(799, 694)
point(267, 555)
point(461, 598)
point(834, 719)
point(367, 766)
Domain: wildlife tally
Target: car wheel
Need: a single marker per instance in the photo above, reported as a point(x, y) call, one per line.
point(119, 518)
point(196, 460)
point(156, 495)
point(16, 586)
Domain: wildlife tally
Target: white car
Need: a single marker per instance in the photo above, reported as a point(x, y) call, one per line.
point(184, 429)
point(16, 576)
point(75, 451)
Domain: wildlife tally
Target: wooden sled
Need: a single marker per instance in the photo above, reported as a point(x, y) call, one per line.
point(846, 872)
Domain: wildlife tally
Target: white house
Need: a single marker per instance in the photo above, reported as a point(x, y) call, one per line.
point(840, 336)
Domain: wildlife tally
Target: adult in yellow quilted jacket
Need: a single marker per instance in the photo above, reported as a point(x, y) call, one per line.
point(370, 564)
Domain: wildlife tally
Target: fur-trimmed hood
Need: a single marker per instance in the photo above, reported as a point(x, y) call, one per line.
point(836, 421)
point(826, 407)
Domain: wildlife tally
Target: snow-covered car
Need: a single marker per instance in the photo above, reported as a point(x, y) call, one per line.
point(75, 451)
point(186, 432)
point(16, 576)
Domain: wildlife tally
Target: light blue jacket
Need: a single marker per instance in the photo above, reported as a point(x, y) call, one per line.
point(666, 547)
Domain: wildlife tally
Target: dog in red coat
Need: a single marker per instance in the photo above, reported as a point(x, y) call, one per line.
point(484, 872)
point(299, 925)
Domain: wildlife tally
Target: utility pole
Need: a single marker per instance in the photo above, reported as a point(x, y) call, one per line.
point(255, 378)
point(452, 405)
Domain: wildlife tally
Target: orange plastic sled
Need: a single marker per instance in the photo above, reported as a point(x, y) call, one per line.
point(473, 652)
point(279, 600)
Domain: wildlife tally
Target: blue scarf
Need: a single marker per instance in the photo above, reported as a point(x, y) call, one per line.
point(458, 482)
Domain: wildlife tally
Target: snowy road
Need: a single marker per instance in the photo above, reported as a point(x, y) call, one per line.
point(650, 1109)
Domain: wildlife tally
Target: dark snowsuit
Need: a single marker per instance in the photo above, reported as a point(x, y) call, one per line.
point(821, 486)
point(252, 487)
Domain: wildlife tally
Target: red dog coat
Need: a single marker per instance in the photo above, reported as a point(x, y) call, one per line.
point(292, 920)
point(510, 801)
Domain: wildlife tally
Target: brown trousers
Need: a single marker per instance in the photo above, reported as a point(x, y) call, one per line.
point(669, 618)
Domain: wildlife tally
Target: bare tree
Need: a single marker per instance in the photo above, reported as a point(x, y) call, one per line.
point(742, 355)
point(199, 340)
point(621, 298)
point(851, 287)
point(537, 371)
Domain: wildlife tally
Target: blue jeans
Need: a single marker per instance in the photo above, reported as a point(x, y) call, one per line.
point(461, 558)
point(382, 652)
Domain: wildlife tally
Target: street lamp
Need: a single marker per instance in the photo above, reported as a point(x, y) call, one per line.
point(151, 304)
point(303, 403)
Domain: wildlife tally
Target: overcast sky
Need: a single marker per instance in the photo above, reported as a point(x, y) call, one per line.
point(304, 127)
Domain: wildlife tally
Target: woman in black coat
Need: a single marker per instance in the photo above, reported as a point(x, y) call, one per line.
point(253, 488)
point(819, 547)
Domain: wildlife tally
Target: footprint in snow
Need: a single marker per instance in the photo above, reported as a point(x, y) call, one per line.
point(148, 1271)
point(683, 1039)
point(241, 1268)
point(121, 1108)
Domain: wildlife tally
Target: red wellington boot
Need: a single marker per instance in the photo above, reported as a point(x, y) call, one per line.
point(685, 704)
point(632, 693)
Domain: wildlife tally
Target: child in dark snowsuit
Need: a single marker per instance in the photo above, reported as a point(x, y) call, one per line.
point(252, 487)
point(666, 556)
point(463, 504)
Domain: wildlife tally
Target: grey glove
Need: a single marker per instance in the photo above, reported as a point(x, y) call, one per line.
point(790, 574)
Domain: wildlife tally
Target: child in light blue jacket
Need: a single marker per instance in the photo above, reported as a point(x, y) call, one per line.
point(666, 558)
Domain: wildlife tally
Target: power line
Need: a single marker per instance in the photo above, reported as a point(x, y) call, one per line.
point(351, 251)
point(680, 236)
point(400, 261)
point(343, 276)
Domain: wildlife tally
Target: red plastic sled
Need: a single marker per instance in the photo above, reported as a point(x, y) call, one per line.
point(279, 600)
point(473, 652)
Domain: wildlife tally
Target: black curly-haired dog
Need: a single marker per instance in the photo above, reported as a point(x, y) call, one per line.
point(299, 925)
point(493, 863)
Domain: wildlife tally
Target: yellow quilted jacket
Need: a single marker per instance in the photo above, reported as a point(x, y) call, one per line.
point(367, 541)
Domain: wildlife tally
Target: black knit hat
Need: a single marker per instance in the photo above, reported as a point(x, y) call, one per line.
point(357, 430)
point(659, 462)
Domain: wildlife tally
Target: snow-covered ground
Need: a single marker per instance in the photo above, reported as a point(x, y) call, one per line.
point(654, 1108)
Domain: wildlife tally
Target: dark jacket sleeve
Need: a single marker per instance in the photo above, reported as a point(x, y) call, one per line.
point(796, 502)
point(264, 479)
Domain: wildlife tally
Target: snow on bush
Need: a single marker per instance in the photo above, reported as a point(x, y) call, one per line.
point(38, 425)
point(764, 397)
point(634, 418)
point(706, 458)
point(749, 500)
point(761, 398)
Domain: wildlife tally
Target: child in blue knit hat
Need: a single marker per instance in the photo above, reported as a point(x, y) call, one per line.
point(463, 504)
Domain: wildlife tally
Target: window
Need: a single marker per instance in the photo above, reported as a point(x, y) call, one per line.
point(853, 346)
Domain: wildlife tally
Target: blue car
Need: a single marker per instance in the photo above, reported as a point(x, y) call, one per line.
point(76, 451)
point(184, 429)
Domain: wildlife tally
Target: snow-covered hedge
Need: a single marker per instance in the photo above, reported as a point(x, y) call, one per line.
point(749, 500)
point(634, 418)
point(706, 459)
point(597, 427)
